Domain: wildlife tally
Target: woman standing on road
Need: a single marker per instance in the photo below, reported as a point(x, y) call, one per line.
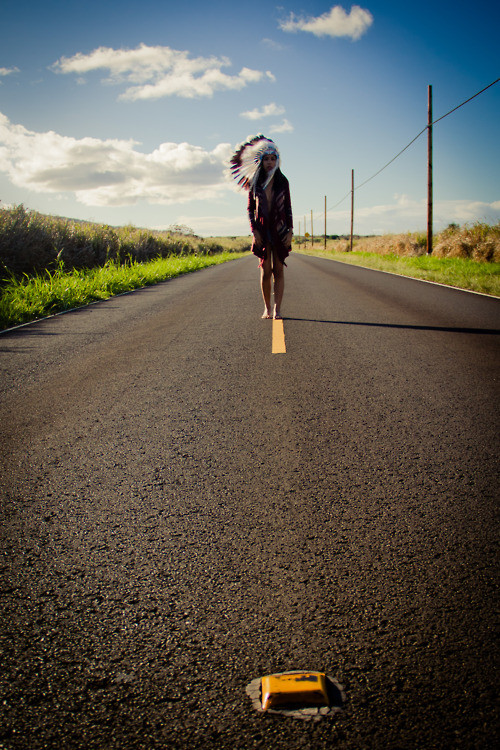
point(256, 168)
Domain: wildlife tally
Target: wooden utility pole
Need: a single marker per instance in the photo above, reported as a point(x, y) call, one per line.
point(352, 205)
point(312, 230)
point(325, 222)
point(429, 171)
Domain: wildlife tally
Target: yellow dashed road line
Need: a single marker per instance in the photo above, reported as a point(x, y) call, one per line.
point(278, 338)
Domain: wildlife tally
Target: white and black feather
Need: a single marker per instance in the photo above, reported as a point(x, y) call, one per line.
point(245, 162)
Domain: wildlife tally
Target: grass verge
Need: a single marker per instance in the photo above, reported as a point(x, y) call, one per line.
point(463, 273)
point(31, 242)
point(32, 297)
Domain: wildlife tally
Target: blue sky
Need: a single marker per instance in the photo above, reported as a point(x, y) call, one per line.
point(127, 112)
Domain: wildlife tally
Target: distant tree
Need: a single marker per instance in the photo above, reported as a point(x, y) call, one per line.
point(181, 229)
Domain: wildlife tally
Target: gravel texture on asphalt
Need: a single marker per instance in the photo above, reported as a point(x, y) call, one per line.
point(183, 511)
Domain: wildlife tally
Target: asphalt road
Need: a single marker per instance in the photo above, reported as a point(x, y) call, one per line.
point(184, 511)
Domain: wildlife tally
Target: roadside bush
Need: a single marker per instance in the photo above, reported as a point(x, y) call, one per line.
point(32, 243)
point(480, 242)
point(392, 244)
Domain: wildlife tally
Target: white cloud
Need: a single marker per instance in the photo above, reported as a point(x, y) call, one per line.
point(406, 214)
point(285, 127)
point(218, 226)
point(268, 110)
point(110, 172)
point(271, 44)
point(466, 212)
point(155, 72)
point(335, 23)
point(8, 71)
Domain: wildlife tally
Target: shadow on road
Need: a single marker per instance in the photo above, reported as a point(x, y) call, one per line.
point(409, 327)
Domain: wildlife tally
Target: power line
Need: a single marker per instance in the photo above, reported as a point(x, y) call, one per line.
point(466, 101)
point(393, 159)
point(411, 142)
point(340, 201)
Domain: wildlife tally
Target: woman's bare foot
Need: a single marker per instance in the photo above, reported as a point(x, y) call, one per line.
point(277, 314)
point(266, 315)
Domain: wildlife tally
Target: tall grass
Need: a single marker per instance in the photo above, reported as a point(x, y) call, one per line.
point(52, 264)
point(478, 241)
point(32, 297)
point(31, 242)
point(467, 257)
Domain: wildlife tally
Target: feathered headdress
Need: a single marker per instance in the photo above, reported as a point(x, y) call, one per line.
point(246, 161)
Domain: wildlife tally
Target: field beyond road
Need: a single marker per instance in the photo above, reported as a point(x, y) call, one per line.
point(461, 273)
point(53, 264)
point(466, 257)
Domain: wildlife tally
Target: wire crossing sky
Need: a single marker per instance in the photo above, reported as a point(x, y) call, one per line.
point(365, 182)
point(128, 112)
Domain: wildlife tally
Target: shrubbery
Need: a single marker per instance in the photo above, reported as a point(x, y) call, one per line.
point(31, 242)
point(479, 242)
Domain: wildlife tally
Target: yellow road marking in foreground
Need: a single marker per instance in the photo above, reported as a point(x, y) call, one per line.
point(278, 338)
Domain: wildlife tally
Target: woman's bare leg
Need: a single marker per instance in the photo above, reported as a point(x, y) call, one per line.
point(266, 276)
point(279, 284)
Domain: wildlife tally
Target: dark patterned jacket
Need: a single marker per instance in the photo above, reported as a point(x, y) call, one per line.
point(274, 225)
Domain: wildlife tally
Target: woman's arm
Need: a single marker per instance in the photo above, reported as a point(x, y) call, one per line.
point(252, 210)
point(288, 216)
point(288, 209)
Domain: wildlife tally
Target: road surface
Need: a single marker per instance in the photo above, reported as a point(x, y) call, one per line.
point(185, 511)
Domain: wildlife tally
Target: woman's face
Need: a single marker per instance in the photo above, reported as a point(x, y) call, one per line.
point(269, 162)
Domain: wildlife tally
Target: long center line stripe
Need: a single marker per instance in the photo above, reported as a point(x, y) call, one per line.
point(278, 346)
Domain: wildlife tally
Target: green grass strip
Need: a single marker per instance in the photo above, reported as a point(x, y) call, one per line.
point(458, 272)
point(33, 297)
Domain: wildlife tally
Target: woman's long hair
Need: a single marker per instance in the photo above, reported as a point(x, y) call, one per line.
point(279, 178)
